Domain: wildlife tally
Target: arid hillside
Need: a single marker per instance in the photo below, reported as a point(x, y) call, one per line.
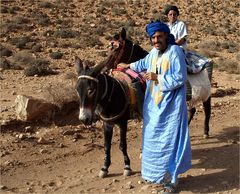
point(38, 42)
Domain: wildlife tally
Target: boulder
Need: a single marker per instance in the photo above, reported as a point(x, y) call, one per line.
point(29, 109)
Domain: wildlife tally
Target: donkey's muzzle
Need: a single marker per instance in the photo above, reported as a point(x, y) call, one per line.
point(85, 116)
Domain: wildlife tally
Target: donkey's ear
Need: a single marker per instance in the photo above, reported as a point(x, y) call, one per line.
point(123, 34)
point(79, 65)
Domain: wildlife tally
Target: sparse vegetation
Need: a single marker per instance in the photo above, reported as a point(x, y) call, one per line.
point(228, 65)
point(46, 4)
point(210, 45)
point(66, 33)
point(208, 53)
point(56, 55)
point(116, 11)
point(4, 9)
point(38, 70)
point(5, 51)
point(37, 47)
point(32, 29)
point(6, 64)
point(26, 60)
point(22, 20)
point(23, 58)
point(20, 42)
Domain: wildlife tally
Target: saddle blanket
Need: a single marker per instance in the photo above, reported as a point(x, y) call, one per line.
point(195, 62)
point(135, 88)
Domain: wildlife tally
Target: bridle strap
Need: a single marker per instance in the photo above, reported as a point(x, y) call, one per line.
point(93, 79)
point(106, 87)
point(110, 119)
point(119, 55)
point(88, 77)
point(131, 54)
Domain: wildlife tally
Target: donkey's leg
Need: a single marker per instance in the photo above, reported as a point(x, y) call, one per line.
point(108, 132)
point(207, 111)
point(123, 147)
point(191, 113)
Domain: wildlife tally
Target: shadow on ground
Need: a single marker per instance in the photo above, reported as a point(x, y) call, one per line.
point(221, 162)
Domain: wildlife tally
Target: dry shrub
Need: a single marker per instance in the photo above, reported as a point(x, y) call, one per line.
point(56, 55)
point(47, 5)
point(5, 64)
point(36, 47)
point(210, 45)
point(118, 12)
point(92, 42)
point(11, 26)
point(21, 42)
point(23, 58)
point(22, 20)
point(66, 33)
point(44, 21)
point(101, 10)
point(231, 46)
point(4, 9)
point(33, 66)
point(225, 92)
point(228, 65)
point(5, 51)
point(159, 16)
point(238, 57)
point(39, 70)
point(207, 53)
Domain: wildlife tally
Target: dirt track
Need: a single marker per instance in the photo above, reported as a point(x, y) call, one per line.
point(37, 158)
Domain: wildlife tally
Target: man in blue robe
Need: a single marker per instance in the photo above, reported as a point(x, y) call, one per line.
point(166, 149)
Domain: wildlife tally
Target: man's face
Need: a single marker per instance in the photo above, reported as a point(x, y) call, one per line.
point(159, 40)
point(172, 16)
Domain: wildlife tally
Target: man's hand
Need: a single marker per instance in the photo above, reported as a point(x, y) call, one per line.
point(123, 65)
point(151, 76)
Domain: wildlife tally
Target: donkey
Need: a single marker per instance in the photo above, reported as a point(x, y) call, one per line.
point(102, 94)
point(124, 51)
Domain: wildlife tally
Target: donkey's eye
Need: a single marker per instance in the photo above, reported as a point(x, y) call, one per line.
point(91, 91)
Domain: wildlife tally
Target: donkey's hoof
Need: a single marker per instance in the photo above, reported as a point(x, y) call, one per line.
point(205, 136)
point(102, 174)
point(127, 172)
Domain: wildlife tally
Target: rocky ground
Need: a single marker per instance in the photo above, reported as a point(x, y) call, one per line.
point(64, 156)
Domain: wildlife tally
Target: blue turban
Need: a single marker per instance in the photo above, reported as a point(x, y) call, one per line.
point(156, 26)
point(153, 27)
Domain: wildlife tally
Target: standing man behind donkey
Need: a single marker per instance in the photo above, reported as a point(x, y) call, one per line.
point(166, 150)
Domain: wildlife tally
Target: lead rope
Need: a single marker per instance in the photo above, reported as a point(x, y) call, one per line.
point(131, 53)
point(106, 87)
point(124, 109)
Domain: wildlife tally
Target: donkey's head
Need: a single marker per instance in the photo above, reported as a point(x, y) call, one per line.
point(88, 89)
point(119, 49)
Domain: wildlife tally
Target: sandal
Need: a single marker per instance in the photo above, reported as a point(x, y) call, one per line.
point(167, 189)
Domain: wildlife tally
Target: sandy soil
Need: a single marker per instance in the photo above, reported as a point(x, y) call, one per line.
point(65, 157)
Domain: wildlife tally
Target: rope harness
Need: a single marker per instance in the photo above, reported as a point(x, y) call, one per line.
point(119, 56)
point(113, 118)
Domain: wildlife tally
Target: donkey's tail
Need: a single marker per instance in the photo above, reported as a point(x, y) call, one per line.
point(209, 68)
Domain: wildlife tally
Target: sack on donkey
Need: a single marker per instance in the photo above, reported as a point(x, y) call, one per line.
point(198, 87)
